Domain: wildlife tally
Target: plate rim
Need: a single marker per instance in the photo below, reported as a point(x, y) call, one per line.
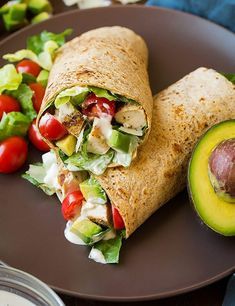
point(164, 294)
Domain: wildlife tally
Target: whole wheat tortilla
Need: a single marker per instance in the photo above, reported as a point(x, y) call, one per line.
point(113, 58)
point(181, 114)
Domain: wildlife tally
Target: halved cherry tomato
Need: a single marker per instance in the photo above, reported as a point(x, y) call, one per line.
point(72, 204)
point(36, 138)
point(13, 154)
point(51, 128)
point(117, 219)
point(39, 92)
point(28, 66)
point(8, 104)
point(95, 106)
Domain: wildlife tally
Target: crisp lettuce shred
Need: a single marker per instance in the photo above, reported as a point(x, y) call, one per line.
point(10, 79)
point(43, 175)
point(107, 251)
point(93, 163)
point(13, 124)
point(36, 43)
point(75, 95)
point(24, 95)
point(40, 49)
point(43, 59)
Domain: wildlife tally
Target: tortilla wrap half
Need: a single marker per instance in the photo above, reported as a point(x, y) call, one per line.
point(181, 114)
point(111, 58)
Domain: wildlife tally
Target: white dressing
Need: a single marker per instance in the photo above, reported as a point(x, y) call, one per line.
point(97, 256)
point(71, 237)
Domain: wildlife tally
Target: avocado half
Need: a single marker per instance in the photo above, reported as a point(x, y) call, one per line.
point(216, 213)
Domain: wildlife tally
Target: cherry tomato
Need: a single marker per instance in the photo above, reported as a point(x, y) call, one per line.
point(51, 128)
point(28, 66)
point(72, 204)
point(8, 104)
point(95, 106)
point(117, 219)
point(39, 92)
point(36, 138)
point(13, 154)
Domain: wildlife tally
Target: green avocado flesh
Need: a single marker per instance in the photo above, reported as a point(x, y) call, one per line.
point(119, 141)
point(216, 213)
point(85, 229)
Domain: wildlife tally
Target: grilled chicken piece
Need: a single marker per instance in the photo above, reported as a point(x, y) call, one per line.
point(69, 181)
point(71, 118)
point(131, 116)
point(98, 213)
point(97, 142)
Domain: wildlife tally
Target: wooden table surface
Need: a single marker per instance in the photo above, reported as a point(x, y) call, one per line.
point(208, 296)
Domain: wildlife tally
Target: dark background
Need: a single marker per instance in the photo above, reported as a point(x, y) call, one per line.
point(209, 296)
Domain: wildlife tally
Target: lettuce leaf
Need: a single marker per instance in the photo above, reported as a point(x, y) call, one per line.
point(10, 79)
point(36, 43)
point(102, 93)
point(110, 249)
point(35, 176)
point(43, 175)
point(75, 95)
point(13, 124)
point(43, 59)
point(24, 95)
point(96, 164)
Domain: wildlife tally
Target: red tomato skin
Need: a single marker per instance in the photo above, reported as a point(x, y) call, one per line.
point(28, 66)
point(13, 154)
point(118, 222)
point(8, 104)
point(36, 138)
point(38, 95)
point(51, 128)
point(72, 204)
point(95, 106)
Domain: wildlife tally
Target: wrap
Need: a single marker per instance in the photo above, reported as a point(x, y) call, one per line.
point(111, 58)
point(181, 114)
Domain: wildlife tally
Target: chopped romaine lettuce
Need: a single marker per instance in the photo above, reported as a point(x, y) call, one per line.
point(106, 251)
point(36, 43)
point(102, 93)
point(75, 95)
point(35, 175)
point(43, 59)
point(13, 124)
point(44, 175)
point(96, 164)
point(122, 159)
point(10, 79)
point(24, 95)
point(92, 191)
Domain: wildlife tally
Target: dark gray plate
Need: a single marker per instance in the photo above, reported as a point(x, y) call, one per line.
point(172, 252)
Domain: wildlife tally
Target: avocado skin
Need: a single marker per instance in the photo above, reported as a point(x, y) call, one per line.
point(217, 214)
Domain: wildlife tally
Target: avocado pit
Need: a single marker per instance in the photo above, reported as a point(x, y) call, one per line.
point(222, 170)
